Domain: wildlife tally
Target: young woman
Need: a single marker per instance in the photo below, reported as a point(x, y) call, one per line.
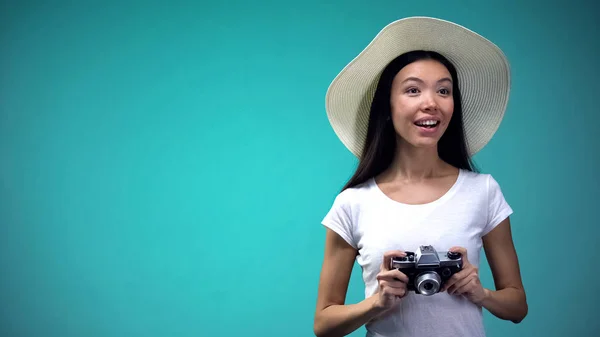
point(414, 106)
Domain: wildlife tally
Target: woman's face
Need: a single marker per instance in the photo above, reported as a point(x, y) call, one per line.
point(422, 103)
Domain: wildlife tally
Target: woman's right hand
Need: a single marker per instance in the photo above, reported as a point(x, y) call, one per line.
point(392, 283)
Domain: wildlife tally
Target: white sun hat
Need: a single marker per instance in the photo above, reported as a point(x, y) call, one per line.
point(483, 74)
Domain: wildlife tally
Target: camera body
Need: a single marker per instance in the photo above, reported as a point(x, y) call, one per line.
point(427, 270)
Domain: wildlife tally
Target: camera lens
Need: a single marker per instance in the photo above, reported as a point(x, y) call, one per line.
point(428, 283)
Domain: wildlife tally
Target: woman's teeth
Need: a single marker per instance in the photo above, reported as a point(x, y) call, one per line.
point(427, 123)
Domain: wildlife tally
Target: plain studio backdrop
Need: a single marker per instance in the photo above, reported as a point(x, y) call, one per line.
point(164, 168)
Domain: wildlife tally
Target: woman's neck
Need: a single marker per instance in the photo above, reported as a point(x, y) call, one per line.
point(416, 164)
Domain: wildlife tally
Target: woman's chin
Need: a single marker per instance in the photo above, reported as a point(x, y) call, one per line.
point(420, 144)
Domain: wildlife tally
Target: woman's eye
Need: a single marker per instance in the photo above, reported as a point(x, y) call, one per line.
point(444, 91)
point(412, 91)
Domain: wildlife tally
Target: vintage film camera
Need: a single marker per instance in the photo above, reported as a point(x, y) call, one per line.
point(428, 270)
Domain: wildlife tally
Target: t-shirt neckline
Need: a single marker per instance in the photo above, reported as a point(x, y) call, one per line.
point(451, 191)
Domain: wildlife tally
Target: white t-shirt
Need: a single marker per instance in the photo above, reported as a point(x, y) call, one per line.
point(373, 223)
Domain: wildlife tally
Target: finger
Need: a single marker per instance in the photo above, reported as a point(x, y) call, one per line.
point(393, 274)
point(387, 258)
point(400, 292)
point(465, 288)
point(392, 284)
point(461, 283)
point(456, 278)
point(462, 251)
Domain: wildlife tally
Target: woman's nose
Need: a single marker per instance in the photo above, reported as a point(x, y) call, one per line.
point(429, 102)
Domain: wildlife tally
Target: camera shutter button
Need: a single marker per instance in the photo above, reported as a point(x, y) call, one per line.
point(453, 255)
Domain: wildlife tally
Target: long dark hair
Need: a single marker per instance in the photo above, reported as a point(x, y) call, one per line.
point(380, 143)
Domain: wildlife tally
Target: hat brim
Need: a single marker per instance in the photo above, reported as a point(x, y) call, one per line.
point(483, 73)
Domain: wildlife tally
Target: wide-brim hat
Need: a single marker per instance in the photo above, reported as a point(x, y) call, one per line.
point(483, 74)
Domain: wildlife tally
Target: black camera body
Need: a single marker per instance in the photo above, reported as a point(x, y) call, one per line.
point(427, 270)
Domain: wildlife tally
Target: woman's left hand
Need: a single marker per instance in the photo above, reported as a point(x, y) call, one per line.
point(466, 282)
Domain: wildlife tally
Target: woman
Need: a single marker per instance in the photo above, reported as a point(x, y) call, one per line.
point(415, 118)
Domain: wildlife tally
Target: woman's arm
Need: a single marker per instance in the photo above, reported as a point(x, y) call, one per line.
point(508, 301)
point(333, 317)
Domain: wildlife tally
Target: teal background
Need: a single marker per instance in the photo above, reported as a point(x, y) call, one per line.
point(164, 167)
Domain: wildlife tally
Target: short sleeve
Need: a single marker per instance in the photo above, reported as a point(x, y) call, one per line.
point(498, 207)
point(339, 219)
